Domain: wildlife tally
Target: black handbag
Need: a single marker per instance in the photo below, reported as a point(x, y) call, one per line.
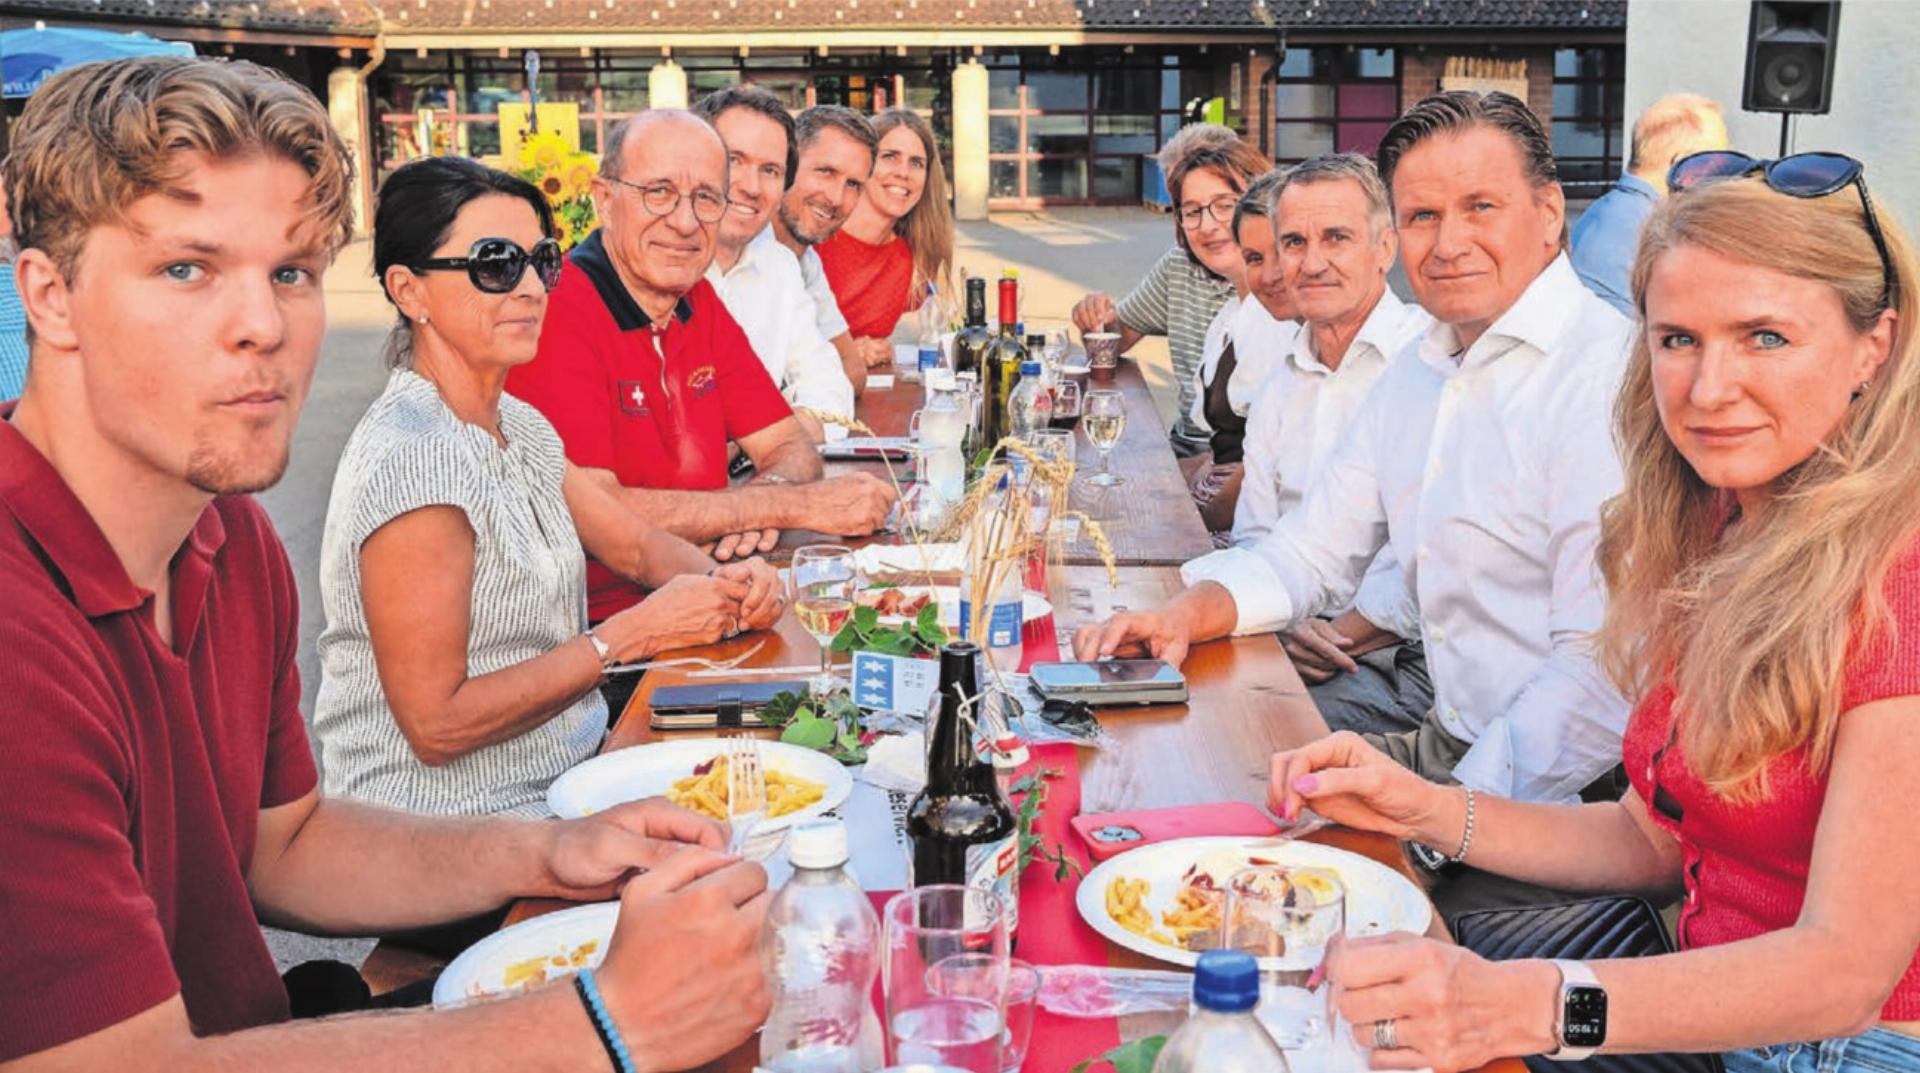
point(1585, 930)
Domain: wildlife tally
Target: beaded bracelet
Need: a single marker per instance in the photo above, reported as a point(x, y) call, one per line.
point(1466, 840)
point(603, 1025)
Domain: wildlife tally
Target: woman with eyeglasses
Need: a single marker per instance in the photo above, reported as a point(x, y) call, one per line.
point(899, 237)
point(1763, 566)
point(458, 674)
point(1207, 168)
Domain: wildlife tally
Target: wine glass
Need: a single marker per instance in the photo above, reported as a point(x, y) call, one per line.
point(822, 578)
point(1066, 404)
point(1104, 421)
point(1294, 921)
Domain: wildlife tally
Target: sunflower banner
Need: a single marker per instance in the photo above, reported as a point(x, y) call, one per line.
point(565, 176)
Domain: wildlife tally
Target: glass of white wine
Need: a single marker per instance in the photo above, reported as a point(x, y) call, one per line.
point(823, 577)
point(1104, 419)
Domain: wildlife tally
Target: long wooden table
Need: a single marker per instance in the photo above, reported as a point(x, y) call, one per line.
point(1150, 520)
point(1245, 703)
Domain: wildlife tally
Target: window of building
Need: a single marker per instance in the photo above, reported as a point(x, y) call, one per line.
point(1063, 130)
point(1333, 98)
point(1589, 139)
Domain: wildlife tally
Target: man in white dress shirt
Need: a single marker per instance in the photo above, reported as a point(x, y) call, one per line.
point(833, 149)
point(1481, 458)
point(1334, 244)
point(757, 277)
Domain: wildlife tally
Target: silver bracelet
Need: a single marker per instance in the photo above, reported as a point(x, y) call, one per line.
point(1466, 840)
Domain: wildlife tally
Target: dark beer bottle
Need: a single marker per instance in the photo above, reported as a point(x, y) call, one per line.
point(970, 346)
point(960, 828)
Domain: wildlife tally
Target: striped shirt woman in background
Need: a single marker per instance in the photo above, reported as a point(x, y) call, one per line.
point(458, 674)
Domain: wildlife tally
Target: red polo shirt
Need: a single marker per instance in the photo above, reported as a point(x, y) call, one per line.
point(132, 774)
point(656, 404)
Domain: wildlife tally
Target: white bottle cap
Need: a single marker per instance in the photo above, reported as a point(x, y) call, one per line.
point(818, 844)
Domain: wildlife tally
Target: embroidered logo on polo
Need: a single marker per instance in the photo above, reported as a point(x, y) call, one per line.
point(701, 381)
point(632, 398)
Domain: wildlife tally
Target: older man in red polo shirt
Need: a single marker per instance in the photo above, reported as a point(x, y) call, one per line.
point(175, 216)
point(647, 377)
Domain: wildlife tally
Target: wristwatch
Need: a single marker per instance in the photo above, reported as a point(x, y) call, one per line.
point(1581, 1024)
point(600, 648)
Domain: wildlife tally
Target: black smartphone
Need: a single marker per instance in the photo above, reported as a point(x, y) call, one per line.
point(1111, 681)
point(718, 705)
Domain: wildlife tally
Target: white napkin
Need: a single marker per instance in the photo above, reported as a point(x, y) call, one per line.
point(897, 762)
point(906, 558)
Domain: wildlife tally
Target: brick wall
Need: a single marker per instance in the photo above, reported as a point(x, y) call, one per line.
point(1420, 75)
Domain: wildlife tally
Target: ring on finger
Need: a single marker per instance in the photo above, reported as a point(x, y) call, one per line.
point(1386, 1035)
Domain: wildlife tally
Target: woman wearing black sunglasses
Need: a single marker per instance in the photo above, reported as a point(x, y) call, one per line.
point(1763, 568)
point(458, 672)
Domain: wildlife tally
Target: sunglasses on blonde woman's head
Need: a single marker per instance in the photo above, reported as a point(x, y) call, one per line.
point(1799, 175)
point(496, 265)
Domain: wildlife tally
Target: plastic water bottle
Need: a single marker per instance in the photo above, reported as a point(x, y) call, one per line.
point(931, 354)
point(821, 952)
point(1222, 1035)
point(943, 427)
point(1030, 407)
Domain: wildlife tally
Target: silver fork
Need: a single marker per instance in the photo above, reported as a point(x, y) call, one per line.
point(746, 791)
point(689, 661)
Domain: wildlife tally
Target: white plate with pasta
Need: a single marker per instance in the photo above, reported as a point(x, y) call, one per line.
point(529, 954)
point(801, 783)
point(1133, 898)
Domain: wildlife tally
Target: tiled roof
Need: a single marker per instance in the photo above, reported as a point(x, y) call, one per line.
point(501, 16)
point(283, 16)
point(495, 16)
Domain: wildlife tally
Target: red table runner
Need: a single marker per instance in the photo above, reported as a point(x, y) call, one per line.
point(1051, 931)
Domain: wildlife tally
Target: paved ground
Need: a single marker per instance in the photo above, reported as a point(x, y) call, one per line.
point(1059, 255)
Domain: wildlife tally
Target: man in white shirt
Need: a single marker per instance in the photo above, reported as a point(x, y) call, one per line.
point(833, 159)
point(757, 277)
point(1334, 244)
point(1481, 457)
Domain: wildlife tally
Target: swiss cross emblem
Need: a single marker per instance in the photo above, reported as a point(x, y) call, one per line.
point(632, 398)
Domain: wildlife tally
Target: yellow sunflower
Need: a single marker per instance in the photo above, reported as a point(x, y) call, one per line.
point(580, 172)
point(555, 188)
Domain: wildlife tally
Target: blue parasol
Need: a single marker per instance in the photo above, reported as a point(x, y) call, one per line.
point(30, 57)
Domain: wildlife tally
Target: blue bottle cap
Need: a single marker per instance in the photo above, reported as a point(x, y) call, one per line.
point(1029, 368)
point(1227, 981)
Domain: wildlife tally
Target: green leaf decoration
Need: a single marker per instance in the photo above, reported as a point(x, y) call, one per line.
point(809, 733)
point(866, 618)
point(1135, 1057)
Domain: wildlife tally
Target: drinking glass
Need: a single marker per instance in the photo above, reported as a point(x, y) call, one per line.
point(1104, 422)
point(1053, 444)
point(922, 928)
point(1013, 985)
point(822, 578)
point(1294, 921)
point(1066, 404)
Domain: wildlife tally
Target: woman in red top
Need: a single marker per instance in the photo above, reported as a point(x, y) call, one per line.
point(899, 237)
point(1763, 565)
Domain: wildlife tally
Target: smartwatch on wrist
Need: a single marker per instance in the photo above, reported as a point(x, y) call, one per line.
point(1580, 1025)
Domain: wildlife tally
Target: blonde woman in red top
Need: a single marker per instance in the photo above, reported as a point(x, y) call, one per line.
point(1764, 582)
point(899, 237)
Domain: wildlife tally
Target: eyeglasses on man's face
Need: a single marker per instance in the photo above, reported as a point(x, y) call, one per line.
point(662, 199)
point(1220, 208)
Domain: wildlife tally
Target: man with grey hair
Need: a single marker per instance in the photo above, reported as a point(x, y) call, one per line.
point(1480, 459)
point(1334, 239)
point(1608, 234)
point(648, 378)
point(833, 158)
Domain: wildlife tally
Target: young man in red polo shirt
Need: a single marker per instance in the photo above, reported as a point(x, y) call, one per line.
point(648, 378)
point(175, 217)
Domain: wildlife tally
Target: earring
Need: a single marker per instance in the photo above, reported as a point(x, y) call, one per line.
point(423, 318)
point(1862, 389)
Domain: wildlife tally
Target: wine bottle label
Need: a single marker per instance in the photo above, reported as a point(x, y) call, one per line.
point(1003, 623)
point(991, 867)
